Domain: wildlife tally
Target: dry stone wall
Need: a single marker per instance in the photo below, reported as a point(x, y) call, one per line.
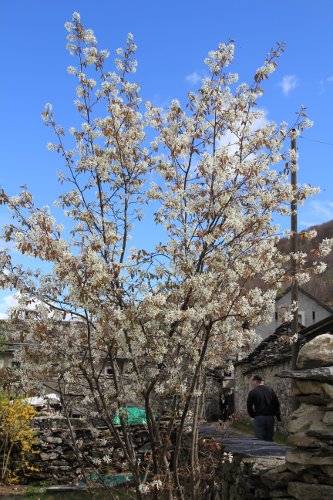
point(311, 425)
point(249, 476)
point(55, 458)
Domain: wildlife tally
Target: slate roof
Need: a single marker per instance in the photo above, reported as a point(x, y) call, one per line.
point(277, 348)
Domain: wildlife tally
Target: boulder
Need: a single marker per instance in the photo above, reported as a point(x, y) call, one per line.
point(317, 352)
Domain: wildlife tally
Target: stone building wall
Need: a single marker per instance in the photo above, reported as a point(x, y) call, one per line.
point(282, 387)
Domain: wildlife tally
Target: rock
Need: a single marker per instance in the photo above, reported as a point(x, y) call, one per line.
point(276, 480)
point(278, 493)
point(328, 389)
point(328, 418)
point(321, 430)
point(317, 352)
point(297, 468)
point(54, 440)
point(310, 478)
point(259, 493)
point(303, 440)
point(327, 469)
point(48, 456)
point(308, 387)
point(306, 459)
point(322, 374)
point(312, 399)
point(303, 417)
point(302, 491)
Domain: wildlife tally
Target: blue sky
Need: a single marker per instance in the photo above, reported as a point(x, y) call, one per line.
point(173, 38)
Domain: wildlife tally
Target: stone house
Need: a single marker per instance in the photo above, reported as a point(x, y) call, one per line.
point(310, 311)
point(271, 357)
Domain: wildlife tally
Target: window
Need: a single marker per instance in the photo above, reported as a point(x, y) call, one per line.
point(313, 315)
point(108, 370)
point(276, 316)
point(301, 317)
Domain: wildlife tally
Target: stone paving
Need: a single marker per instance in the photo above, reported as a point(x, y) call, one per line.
point(241, 443)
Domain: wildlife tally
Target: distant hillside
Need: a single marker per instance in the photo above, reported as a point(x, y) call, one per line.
point(320, 286)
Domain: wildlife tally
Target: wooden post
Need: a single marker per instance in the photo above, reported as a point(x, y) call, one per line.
point(294, 250)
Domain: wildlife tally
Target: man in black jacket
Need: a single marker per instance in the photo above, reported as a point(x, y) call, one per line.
point(263, 405)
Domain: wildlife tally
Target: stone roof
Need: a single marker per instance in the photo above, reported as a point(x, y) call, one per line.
point(277, 347)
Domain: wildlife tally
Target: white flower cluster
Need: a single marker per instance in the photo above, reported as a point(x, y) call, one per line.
point(325, 247)
point(146, 488)
point(227, 457)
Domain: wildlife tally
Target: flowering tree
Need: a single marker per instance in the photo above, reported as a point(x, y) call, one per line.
point(214, 179)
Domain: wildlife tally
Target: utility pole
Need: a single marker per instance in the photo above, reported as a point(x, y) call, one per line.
point(294, 250)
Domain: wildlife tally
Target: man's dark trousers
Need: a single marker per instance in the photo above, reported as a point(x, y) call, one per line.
point(264, 427)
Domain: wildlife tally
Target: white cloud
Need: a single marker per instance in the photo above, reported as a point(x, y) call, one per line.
point(322, 208)
point(229, 139)
point(6, 303)
point(324, 83)
point(288, 83)
point(318, 211)
point(193, 78)
point(260, 122)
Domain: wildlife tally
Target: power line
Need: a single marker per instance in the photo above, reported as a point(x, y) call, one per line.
point(316, 140)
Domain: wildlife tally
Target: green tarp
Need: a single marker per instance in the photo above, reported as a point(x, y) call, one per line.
point(133, 416)
point(108, 480)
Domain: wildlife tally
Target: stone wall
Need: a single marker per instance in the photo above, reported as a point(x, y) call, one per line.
point(54, 457)
point(311, 425)
point(247, 478)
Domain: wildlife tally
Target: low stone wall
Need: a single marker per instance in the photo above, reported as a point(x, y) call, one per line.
point(54, 456)
point(249, 476)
